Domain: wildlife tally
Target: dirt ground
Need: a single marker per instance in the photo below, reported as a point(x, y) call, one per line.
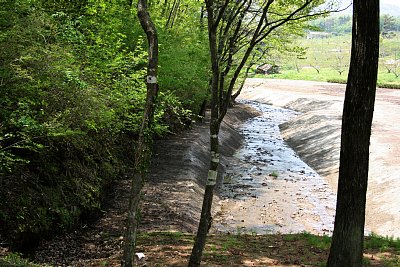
point(315, 135)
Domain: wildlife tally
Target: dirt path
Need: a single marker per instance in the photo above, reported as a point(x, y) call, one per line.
point(315, 135)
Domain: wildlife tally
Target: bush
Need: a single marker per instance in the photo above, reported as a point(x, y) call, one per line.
point(185, 71)
point(15, 260)
point(67, 117)
point(73, 92)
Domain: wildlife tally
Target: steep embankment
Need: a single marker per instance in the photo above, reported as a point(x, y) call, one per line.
point(174, 193)
point(315, 135)
point(171, 199)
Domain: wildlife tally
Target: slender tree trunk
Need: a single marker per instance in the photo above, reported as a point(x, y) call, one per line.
point(170, 14)
point(143, 148)
point(164, 8)
point(218, 14)
point(202, 17)
point(176, 10)
point(348, 235)
point(205, 217)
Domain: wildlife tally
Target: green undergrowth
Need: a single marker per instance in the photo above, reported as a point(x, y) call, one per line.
point(72, 86)
point(374, 241)
point(16, 260)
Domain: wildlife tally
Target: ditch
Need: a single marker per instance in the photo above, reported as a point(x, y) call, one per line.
point(267, 188)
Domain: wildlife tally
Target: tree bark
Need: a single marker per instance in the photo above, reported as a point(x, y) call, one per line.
point(143, 148)
point(348, 235)
point(205, 217)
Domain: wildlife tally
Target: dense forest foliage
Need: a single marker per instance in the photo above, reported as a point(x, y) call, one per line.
point(72, 95)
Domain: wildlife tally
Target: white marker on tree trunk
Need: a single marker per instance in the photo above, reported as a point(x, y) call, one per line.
point(151, 79)
point(214, 157)
point(212, 177)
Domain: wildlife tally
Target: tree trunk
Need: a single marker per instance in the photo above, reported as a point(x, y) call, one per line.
point(219, 14)
point(205, 217)
point(143, 148)
point(172, 14)
point(202, 12)
point(348, 235)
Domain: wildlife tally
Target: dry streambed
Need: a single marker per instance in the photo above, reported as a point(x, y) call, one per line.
point(267, 188)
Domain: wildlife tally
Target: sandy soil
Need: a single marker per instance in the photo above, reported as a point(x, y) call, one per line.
point(315, 135)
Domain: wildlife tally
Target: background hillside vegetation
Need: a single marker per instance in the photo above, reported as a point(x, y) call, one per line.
point(323, 54)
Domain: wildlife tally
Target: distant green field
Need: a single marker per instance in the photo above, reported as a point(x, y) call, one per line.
point(327, 59)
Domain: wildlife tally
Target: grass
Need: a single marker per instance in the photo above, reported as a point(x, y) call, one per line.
point(304, 249)
point(378, 242)
point(388, 247)
point(308, 74)
point(321, 242)
point(16, 260)
point(331, 55)
point(274, 174)
point(385, 80)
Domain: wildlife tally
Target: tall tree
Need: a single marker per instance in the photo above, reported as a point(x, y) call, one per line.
point(143, 147)
point(235, 28)
point(348, 234)
point(205, 217)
